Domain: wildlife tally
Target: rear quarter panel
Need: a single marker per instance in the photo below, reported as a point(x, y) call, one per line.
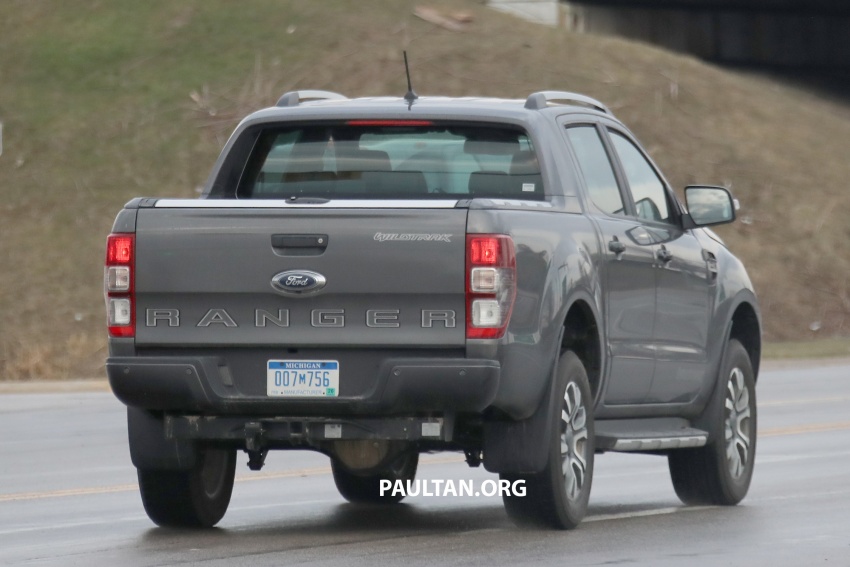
point(556, 255)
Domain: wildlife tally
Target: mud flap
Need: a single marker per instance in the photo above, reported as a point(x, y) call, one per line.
point(518, 447)
point(150, 449)
point(704, 420)
point(522, 447)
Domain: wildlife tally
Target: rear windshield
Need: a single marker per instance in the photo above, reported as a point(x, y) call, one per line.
point(392, 160)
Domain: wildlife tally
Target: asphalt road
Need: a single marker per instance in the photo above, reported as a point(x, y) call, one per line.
point(68, 497)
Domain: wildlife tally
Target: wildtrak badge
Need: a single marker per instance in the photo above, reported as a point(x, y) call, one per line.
point(407, 237)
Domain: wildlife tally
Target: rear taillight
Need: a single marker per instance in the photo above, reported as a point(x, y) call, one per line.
point(119, 285)
point(490, 285)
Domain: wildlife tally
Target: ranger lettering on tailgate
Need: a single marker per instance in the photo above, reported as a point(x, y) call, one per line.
point(319, 318)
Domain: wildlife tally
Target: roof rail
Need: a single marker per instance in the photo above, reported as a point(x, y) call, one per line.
point(294, 98)
point(536, 101)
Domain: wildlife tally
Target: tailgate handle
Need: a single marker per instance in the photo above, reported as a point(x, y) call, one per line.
point(299, 244)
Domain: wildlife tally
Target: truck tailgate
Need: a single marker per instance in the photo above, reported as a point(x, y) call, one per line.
point(394, 277)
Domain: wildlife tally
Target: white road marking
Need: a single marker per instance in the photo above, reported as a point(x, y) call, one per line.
point(803, 402)
point(645, 513)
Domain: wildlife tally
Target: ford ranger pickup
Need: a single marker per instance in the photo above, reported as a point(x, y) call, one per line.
point(378, 278)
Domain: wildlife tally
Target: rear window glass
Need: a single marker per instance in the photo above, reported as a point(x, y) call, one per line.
point(392, 159)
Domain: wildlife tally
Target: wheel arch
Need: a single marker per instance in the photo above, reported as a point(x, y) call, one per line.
point(745, 327)
point(582, 335)
point(520, 446)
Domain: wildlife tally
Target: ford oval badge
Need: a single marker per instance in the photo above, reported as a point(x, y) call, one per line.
point(298, 282)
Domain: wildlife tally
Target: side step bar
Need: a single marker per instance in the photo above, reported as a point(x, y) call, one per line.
point(657, 434)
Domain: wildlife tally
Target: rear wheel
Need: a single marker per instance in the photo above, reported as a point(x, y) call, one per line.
point(195, 498)
point(557, 496)
point(720, 473)
point(360, 488)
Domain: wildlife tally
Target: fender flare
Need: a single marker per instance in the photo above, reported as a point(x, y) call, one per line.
point(521, 447)
point(744, 296)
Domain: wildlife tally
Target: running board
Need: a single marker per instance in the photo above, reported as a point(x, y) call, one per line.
point(656, 434)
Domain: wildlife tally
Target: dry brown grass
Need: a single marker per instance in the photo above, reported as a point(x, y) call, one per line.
point(79, 355)
point(147, 116)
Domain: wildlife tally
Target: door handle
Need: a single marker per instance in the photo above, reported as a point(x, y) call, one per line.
point(299, 244)
point(711, 264)
point(616, 246)
point(663, 254)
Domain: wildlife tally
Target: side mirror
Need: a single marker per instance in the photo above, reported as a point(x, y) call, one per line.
point(708, 205)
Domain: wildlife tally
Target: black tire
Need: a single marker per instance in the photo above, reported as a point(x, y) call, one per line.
point(195, 498)
point(366, 489)
point(557, 496)
point(720, 472)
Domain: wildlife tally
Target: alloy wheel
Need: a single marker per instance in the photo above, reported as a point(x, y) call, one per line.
point(738, 424)
point(573, 441)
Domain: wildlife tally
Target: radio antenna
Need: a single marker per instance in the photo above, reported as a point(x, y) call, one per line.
point(410, 96)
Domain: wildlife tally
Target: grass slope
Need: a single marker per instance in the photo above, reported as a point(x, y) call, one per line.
point(104, 101)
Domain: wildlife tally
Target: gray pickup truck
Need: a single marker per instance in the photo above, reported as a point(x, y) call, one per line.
point(376, 278)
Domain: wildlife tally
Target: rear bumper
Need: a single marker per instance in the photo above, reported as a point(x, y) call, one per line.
point(204, 385)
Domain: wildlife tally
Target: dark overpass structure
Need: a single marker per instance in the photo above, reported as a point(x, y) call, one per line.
point(782, 33)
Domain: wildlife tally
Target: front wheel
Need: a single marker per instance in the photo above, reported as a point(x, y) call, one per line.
point(720, 473)
point(195, 498)
point(557, 496)
point(366, 489)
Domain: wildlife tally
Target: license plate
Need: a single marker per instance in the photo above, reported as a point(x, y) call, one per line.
point(302, 378)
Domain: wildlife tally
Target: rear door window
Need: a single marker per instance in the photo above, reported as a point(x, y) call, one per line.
point(392, 159)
